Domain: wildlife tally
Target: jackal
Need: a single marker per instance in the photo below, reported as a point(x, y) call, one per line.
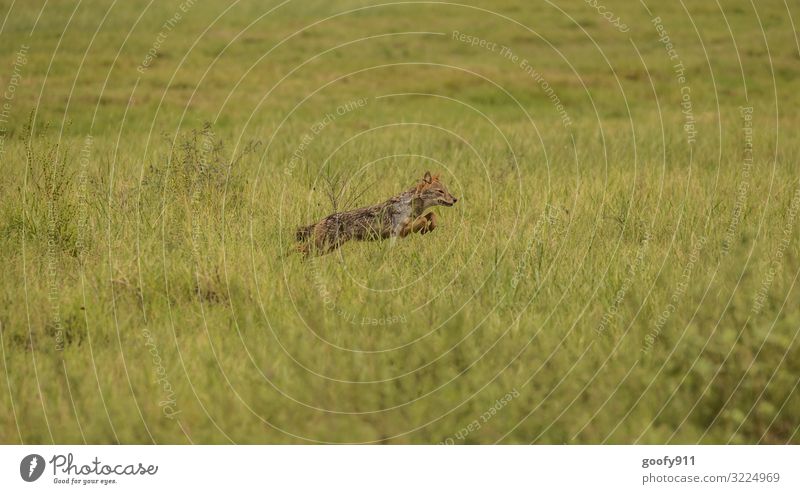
point(395, 217)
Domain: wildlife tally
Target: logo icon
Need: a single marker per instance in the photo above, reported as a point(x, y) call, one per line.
point(31, 468)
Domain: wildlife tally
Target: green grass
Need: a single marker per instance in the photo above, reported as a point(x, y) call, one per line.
point(622, 285)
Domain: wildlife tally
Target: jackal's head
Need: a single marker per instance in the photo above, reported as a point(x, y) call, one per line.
point(432, 192)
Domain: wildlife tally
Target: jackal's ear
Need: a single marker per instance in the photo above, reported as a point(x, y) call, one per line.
point(427, 178)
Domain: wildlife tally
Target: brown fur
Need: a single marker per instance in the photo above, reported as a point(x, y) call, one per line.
point(398, 216)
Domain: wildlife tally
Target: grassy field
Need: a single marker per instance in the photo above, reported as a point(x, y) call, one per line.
point(621, 266)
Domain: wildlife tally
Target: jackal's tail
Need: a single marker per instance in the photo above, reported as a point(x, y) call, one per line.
point(304, 233)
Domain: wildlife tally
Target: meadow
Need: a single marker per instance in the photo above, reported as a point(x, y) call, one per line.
point(621, 266)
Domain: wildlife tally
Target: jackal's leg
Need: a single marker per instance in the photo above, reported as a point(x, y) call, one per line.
point(425, 223)
point(405, 228)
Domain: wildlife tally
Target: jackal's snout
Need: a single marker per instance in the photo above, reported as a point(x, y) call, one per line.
point(448, 200)
point(434, 193)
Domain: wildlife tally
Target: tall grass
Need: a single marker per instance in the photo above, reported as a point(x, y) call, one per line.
point(619, 284)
